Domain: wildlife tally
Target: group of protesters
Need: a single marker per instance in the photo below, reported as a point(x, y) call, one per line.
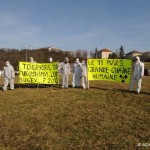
point(79, 72)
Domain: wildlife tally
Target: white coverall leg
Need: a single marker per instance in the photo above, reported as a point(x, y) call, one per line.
point(6, 82)
point(77, 79)
point(12, 84)
point(139, 81)
point(139, 85)
point(85, 83)
point(65, 81)
point(73, 80)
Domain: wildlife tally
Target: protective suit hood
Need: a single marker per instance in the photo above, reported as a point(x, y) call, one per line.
point(7, 63)
point(50, 59)
point(137, 59)
point(31, 59)
point(66, 60)
point(77, 60)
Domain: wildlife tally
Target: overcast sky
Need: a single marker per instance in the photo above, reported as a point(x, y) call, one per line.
point(75, 24)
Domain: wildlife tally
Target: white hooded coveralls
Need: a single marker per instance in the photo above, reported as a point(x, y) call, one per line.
point(9, 75)
point(65, 70)
point(84, 79)
point(76, 73)
point(138, 73)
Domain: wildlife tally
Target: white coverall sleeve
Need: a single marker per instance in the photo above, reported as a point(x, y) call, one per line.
point(69, 69)
point(12, 72)
point(61, 68)
point(142, 69)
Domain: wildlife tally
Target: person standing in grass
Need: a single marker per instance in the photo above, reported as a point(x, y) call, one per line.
point(84, 79)
point(65, 70)
point(9, 75)
point(76, 73)
point(138, 73)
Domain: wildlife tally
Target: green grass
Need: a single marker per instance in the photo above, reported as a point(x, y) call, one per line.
point(106, 116)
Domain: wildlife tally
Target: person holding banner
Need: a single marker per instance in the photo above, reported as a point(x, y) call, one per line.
point(76, 74)
point(50, 59)
point(31, 60)
point(138, 73)
point(9, 75)
point(65, 70)
point(84, 79)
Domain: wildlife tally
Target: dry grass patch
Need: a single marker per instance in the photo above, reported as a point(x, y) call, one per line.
point(106, 116)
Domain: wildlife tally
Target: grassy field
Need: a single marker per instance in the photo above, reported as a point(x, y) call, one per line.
point(106, 116)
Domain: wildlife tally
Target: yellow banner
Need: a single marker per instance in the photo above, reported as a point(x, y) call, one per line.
point(38, 73)
point(118, 70)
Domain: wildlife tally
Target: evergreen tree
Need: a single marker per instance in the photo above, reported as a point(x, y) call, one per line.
point(121, 50)
point(96, 51)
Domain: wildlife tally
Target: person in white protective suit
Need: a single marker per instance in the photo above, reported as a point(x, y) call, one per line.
point(84, 78)
point(65, 70)
point(9, 75)
point(31, 60)
point(138, 73)
point(76, 73)
point(50, 59)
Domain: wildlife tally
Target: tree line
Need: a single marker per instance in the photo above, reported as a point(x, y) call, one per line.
point(40, 55)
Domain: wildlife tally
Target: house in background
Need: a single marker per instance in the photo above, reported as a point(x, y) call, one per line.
point(146, 56)
point(132, 54)
point(104, 53)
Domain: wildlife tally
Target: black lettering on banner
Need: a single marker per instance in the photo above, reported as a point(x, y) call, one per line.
point(115, 62)
point(54, 66)
point(121, 70)
point(91, 62)
point(99, 69)
point(100, 62)
point(24, 66)
point(52, 80)
point(126, 70)
point(44, 79)
point(28, 80)
point(53, 74)
point(38, 73)
point(105, 76)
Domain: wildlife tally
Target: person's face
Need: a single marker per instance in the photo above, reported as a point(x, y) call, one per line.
point(31, 59)
point(77, 60)
point(7, 63)
point(83, 62)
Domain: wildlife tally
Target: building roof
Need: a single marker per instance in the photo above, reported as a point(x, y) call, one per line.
point(146, 52)
point(105, 50)
point(134, 51)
